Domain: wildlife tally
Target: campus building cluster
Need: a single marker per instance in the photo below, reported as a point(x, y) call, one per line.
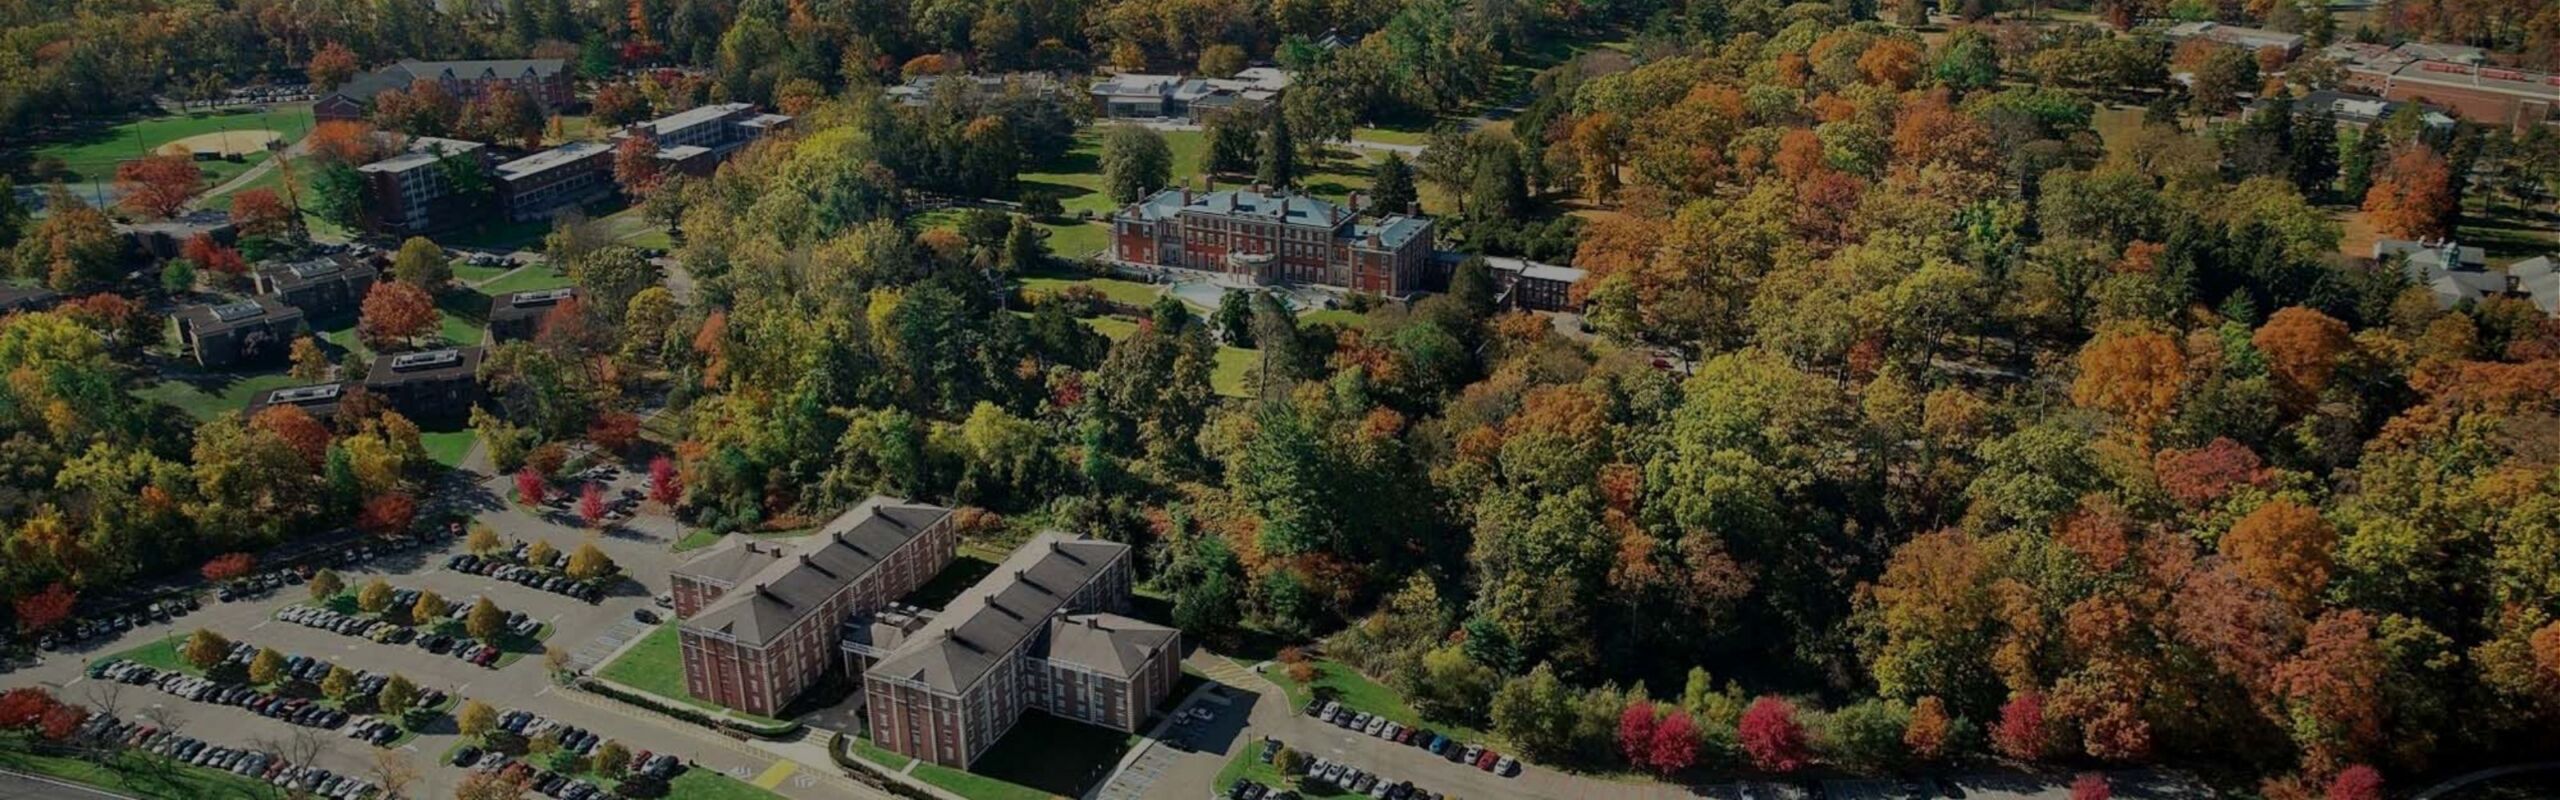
point(546, 80)
point(1131, 95)
point(760, 622)
point(2452, 76)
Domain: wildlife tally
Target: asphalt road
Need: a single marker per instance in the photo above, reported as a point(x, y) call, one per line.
point(14, 786)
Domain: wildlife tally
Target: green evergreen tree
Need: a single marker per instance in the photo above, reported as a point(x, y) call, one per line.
point(13, 214)
point(1024, 248)
point(2356, 175)
point(1391, 188)
point(2315, 152)
point(1279, 164)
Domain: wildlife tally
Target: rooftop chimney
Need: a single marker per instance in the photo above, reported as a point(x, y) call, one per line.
point(1355, 201)
point(1413, 208)
point(806, 562)
point(768, 594)
point(1186, 194)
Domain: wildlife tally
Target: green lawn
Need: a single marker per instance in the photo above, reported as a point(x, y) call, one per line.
point(1337, 681)
point(706, 784)
point(1077, 239)
point(975, 786)
point(632, 227)
point(205, 397)
point(94, 154)
point(1125, 292)
point(448, 447)
point(137, 774)
point(1391, 136)
point(525, 279)
point(1112, 328)
point(656, 666)
point(697, 540)
point(161, 654)
point(1235, 364)
point(862, 746)
point(1076, 178)
point(466, 273)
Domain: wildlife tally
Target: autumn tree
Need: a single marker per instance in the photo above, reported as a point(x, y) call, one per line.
point(205, 649)
point(589, 562)
point(374, 597)
point(636, 165)
point(1135, 161)
point(2021, 732)
point(1928, 735)
point(331, 66)
point(228, 566)
point(2090, 786)
point(396, 313)
point(475, 719)
point(665, 486)
point(485, 622)
point(310, 363)
point(591, 505)
point(326, 584)
point(2412, 195)
point(158, 187)
point(2133, 373)
point(266, 667)
point(421, 262)
point(1772, 737)
point(45, 609)
point(212, 256)
point(2284, 547)
point(2303, 349)
point(540, 552)
point(339, 683)
point(2356, 782)
point(397, 696)
point(260, 212)
point(2333, 690)
point(388, 514)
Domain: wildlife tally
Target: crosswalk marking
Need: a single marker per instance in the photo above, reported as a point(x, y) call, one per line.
point(774, 775)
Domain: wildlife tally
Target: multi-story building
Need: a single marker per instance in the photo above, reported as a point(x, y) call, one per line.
point(2357, 111)
point(759, 620)
point(1132, 95)
point(411, 193)
point(555, 180)
point(321, 286)
point(1035, 635)
point(1278, 237)
point(248, 331)
point(918, 91)
point(521, 315)
point(2251, 39)
point(697, 140)
point(2452, 76)
point(429, 384)
point(547, 80)
point(1524, 284)
point(319, 400)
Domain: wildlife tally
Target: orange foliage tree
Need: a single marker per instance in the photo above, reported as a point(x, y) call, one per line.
point(2133, 373)
point(259, 212)
point(158, 186)
point(211, 256)
point(332, 66)
point(2412, 196)
point(2283, 546)
point(2302, 348)
point(346, 142)
point(396, 312)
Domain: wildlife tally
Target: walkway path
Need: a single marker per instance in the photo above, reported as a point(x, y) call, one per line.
point(298, 148)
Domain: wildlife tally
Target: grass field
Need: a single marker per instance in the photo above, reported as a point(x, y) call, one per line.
point(525, 279)
point(136, 774)
point(1125, 292)
point(470, 274)
point(94, 154)
point(162, 654)
point(1076, 179)
point(1391, 136)
point(1339, 682)
point(1235, 366)
point(1076, 239)
point(656, 666)
point(1112, 328)
point(705, 784)
point(208, 396)
point(448, 447)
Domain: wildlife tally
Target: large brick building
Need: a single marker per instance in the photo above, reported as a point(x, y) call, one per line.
point(2452, 76)
point(1276, 238)
point(695, 141)
point(547, 80)
point(410, 194)
point(256, 330)
point(323, 286)
point(1035, 635)
point(759, 620)
point(544, 184)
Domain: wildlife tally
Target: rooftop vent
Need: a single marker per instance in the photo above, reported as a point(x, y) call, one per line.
point(235, 312)
point(407, 362)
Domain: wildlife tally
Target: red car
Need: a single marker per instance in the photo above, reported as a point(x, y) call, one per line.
point(1487, 760)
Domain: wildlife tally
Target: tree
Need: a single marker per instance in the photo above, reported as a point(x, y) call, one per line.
point(1135, 161)
point(45, 609)
point(266, 667)
point(23, 707)
point(73, 249)
point(487, 786)
point(393, 772)
point(665, 486)
point(637, 167)
point(589, 562)
point(2090, 786)
point(1230, 143)
point(1277, 164)
point(388, 514)
point(202, 250)
point(1772, 737)
point(397, 696)
point(612, 759)
point(485, 622)
point(2303, 348)
point(338, 195)
point(397, 313)
point(158, 187)
point(429, 608)
point(2284, 547)
point(422, 263)
point(1635, 731)
point(326, 584)
point(531, 487)
point(310, 363)
point(481, 541)
point(2021, 733)
point(178, 276)
point(540, 553)
point(1928, 735)
point(1392, 190)
point(205, 649)
point(2357, 782)
point(1675, 743)
point(60, 722)
point(374, 597)
point(1221, 60)
point(618, 104)
point(331, 66)
point(591, 505)
point(475, 719)
point(2413, 194)
point(1025, 247)
point(228, 566)
point(260, 212)
point(2133, 373)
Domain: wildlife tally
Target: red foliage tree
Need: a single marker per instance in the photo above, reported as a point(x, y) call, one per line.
point(636, 165)
point(2203, 476)
point(46, 608)
point(228, 566)
point(158, 186)
point(20, 708)
point(2090, 786)
point(2412, 195)
point(297, 428)
point(665, 486)
point(2021, 733)
point(1635, 731)
point(1772, 736)
point(396, 311)
point(530, 487)
point(259, 212)
point(349, 142)
point(591, 505)
point(1675, 743)
point(211, 256)
point(333, 65)
point(615, 430)
point(2357, 782)
point(388, 514)
point(2336, 682)
point(60, 721)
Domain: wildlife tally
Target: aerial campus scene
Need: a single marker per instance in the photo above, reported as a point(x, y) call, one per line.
point(1279, 399)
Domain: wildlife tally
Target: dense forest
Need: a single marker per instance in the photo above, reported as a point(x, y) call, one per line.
point(1919, 422)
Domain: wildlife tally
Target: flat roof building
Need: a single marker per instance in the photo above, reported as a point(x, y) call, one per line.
point(429, 383)
point(1141, 95)
point(2450, 76)
point(410, 192)
point(520, 315)
point(256, 330)
point(697, 140)
point(320, 400)
point(323, 286)
point(544, 184)
point(2252, 39)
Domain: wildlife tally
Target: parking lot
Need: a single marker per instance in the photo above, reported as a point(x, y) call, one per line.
point(639, 546)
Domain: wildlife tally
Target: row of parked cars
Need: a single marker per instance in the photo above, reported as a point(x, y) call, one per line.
point(547, 578)
point(1477, 756)
point(535, 726)
point(477, 653)
point(87, 628)
point(1249, 790)
point(252, 764)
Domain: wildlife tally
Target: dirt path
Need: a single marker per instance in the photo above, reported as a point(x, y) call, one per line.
point(299, 148)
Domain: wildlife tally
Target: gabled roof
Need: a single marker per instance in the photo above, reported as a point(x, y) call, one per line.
point(398, 75)
point(1107, 643)
point(979, 628)
point(789, 581)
